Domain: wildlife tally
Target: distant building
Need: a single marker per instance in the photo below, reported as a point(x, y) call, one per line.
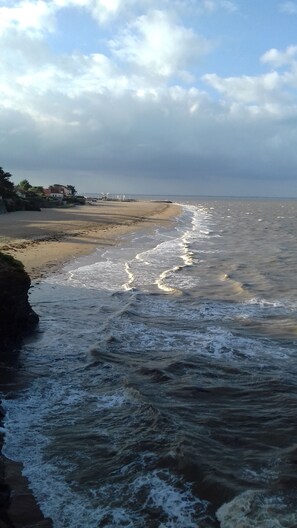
point(57, 191)
point(63, 189)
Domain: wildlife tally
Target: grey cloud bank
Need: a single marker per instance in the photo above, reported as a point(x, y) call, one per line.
point(135, 119)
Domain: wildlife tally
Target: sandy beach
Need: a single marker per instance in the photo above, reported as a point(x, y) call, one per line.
point(44, 240)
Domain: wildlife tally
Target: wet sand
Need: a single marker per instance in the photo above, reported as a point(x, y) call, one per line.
point(44, 240)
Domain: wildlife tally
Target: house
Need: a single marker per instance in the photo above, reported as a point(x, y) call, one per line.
point(63, 189)
point(57, 191)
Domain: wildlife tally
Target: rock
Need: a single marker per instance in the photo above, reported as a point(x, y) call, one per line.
point(22, 509)
point(4, 494)
point(16, 315)
point(18, 507)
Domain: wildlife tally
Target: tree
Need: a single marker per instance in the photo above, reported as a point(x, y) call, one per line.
point(36, 189)
point(6, 186)
point(24, 185)
point(72, 189)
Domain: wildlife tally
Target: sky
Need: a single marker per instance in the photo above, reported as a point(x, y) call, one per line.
point(188, 97)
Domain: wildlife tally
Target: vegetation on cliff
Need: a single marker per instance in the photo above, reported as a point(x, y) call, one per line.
point(27, 197)
point(6, 186)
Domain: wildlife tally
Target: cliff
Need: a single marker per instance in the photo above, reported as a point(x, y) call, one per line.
point(16, 314)
point(18, 508)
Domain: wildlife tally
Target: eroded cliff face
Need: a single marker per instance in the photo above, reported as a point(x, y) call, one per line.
point(16, 314)
point(18, 508)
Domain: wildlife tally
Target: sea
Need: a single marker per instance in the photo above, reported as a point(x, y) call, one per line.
point(160, 390)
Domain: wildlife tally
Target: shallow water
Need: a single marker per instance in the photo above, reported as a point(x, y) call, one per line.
point(161, 390)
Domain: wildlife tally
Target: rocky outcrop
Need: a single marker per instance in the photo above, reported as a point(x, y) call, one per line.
point(18, 507)
point(16, 314)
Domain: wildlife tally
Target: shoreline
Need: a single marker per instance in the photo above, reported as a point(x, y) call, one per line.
point(44, 241)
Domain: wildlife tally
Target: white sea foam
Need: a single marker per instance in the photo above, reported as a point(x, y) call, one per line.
point(26, 441)
point(169, 326)
point(107, 275)
point(280, 303)
point(263, 475)
point(255, 509)
point(179, 505)
point(111, 401)
point(28, 420)
point(161, 280)
point(131, 277)
point(166, 253)
point(132, 328)
point(173, 279)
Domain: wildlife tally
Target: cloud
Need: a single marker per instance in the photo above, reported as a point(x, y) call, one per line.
point(213, 5)
point(132, 110)
point(127, 143)
point(269, 93)
point(38, 17)
point(289, 8)
point(33, 18)
point(279, 58)
point(101, 10)
point(156, 44)
point(248, 90)
point(104, 11)
point(137, 143)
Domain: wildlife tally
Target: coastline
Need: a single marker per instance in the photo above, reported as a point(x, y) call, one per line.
point(46, 240)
